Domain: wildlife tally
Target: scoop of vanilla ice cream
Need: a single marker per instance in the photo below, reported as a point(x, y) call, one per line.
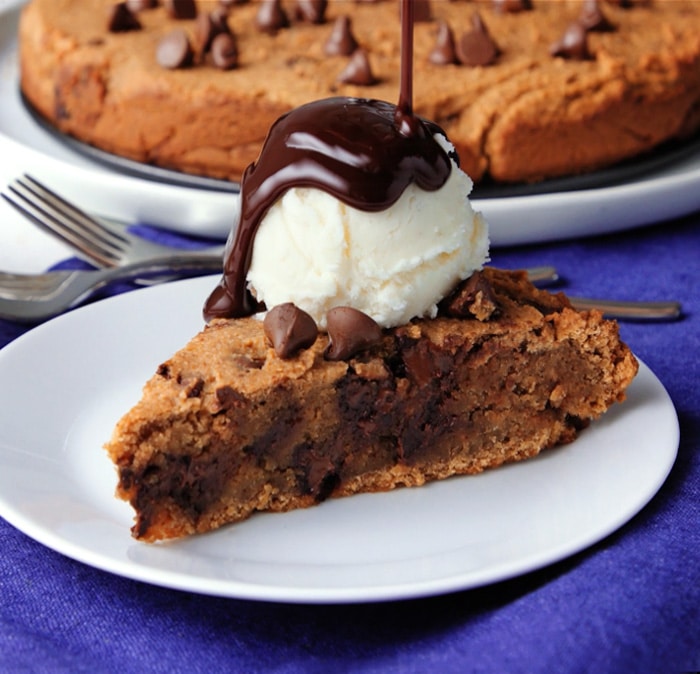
point(317, 252)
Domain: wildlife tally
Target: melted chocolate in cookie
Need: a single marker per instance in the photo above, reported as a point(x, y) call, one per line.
point(363, 152)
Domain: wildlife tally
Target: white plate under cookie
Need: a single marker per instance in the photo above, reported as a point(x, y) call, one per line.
point(657, 195)
point(65, 384)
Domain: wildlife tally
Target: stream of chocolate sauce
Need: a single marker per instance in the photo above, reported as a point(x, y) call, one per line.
point(364, 152)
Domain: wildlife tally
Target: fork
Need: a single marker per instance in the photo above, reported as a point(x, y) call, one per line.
point(31, 298)
point(37, 297)
point(101, 242)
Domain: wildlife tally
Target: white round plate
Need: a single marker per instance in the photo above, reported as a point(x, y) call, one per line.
point(659, 195)
point(66, 383)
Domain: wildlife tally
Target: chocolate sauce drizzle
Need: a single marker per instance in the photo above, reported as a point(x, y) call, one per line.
point(363, 152)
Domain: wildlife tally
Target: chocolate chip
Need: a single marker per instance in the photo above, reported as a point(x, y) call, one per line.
point(350, 331)
point(229, 399)
point(476, 47)
point(573, 44)
point(443, 52)
point(195, 389)
point(341, 41)
point(289, 329)
point(358, 70)
point(246, 363)
point(208, 26)
point(224, 51)
point(163, 370)
point(121, 19)
point(271, 17)
point(313, 11)
point(141, 5)
point(474, 297)
point(180, 9)
point(174, 50)
point(512, 6)
point(592, 18)
point(321, 481)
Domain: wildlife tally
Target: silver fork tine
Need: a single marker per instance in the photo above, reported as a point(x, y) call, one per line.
point(36, 297)
point(95, 240)
point(41, 298)
point(20, 285)
point(82, 219)
point(47, 222)
point(75, 227)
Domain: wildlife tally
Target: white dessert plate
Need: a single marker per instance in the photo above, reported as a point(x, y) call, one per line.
point(66, 383)
point(660, 194)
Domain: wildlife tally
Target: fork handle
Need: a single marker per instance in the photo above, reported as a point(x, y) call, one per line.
point(156, 267)
point(631, 311)
point(86, 283)
point(618, 309)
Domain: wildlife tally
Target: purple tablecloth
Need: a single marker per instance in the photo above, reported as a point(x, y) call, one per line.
point(631, 603)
